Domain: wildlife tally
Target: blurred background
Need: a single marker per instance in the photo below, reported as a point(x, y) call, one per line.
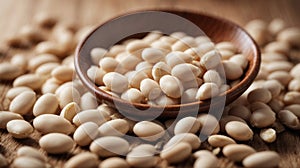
point(15, 13)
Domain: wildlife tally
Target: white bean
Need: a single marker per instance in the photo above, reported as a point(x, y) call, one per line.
point(23, 162)
point(150, 89)
point(49, 123)
point(262, 118)
point(187, 125)
point(109, 64)
point(152, 55)
point(207, 91)
point(159, 70)
point(171, 86)
point(15, 91)
point(63, 143)
point(116, 127)
point(115, 82)
point(19, 129)
point(96, 75)
point(46, 104)
point(232, 70)
point(32, 81)
point(149, 131)
point(114, 162)
point(220, 140)
point(23, 103)
point(63, 73)
point(186, 72)
point(31, 152)
point(189, 138)
point(262, 159)
point(88, 101)
point(109, 146)
point(97, 54)
point(239, 131)
point(85, 159)
point(9, 71)
point(210, 59)
point(268, 135)
point(92, 115)
point(237, 152)
point(177, 57)
point(68, 95)
point(85, 133)
point(177, 153)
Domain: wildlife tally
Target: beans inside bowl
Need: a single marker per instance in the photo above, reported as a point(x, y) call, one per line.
point(167, 70)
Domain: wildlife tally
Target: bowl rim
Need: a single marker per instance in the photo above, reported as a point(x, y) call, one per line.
point(104, 96)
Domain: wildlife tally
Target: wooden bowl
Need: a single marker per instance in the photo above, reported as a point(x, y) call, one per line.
point(218, 29)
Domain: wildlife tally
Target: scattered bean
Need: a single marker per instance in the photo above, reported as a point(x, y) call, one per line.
point(205, 159)
point(88, 101)
point(116, 127)
point(46, 104)
point(63, 73)
point(291, 97)
point(237, 152)
point(6, 116)
point(141, 159)
point(23, 103)
point(28, 151)
point(289, 119)
point(41, 59)
point(187, 125)
point(262, 159)
point(51, 123)
point(114, 162)
point(220, 140)
point(32, 81)
point(85, 133)
point(268, 135)
point(177, 153)
point(9, 71)
point(109, 146)
point(63, 143)
point(148, 131)
point(94, 116)
point(19, 129)
point(189, 138)
point(15, 91)
point(262, 118)
point(85, 159)
point(24, 161)
point(68, 95)
point(210, 124)
point(239, 131)
point(260, 94)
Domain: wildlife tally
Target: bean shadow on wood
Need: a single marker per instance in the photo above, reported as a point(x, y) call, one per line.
point(2, 149)
point(28, 142)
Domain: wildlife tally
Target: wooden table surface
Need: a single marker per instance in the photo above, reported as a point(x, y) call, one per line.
point(16, 13)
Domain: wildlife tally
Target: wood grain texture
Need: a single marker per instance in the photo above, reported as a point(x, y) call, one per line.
point(16, 13)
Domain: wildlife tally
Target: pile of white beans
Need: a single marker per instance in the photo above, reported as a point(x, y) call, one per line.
point(167, 69)
point(49, 105)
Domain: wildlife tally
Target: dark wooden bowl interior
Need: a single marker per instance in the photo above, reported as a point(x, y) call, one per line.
point(112, 31)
